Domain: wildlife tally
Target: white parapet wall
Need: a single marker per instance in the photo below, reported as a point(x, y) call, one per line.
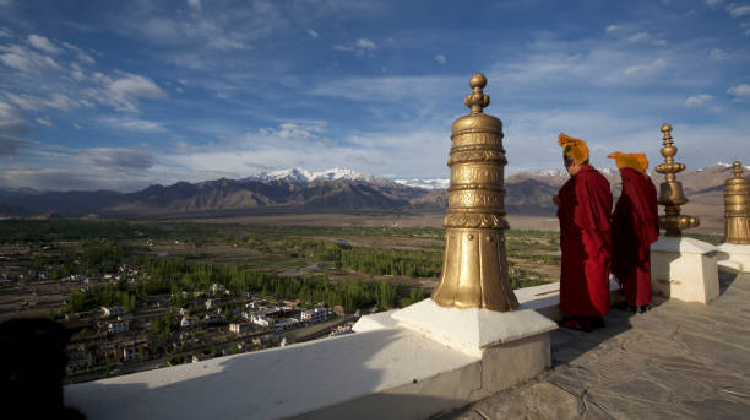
point(395, 366)
point(684, 269)
point(734, 256)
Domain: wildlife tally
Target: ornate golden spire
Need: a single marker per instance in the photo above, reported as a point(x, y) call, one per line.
point(477, 100)
point(671, 195)
point(737, 207)
point(475, 268)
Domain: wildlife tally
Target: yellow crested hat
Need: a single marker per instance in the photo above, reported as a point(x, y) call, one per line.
point(575, 148)
point(636, 161)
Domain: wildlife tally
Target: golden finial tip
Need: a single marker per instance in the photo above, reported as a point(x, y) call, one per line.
point(478, 80)
point(666, 128)
point(737, 164)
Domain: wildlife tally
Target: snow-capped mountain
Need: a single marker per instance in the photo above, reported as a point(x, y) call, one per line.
point(301, 175)
point(427, 183)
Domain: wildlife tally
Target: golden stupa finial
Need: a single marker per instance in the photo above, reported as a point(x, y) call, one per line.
point(475, 267)
point(671, 195)
point(737, 169)
point(737, 207)
point(477, 100)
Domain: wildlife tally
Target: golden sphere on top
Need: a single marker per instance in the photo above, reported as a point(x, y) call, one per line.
point(478, 80)
point(666, 128)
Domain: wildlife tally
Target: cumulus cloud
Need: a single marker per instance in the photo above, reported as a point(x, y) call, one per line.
point(123, 93)
point(44, 44)
point(5, 33)
point(45, 122)
point(738, 11)
point(740, 90)
point(640, 36)
point(718, 54)
point(698, 100)
point(713, 3)
point(12, 121)
point(133, 124)
point(298, 130)
point(362, 46)
point(195, 5)
point(313, 33)
point(35, 103)
point(612, 28)
point(26, 60)
point(644, 68)
point(440, 58)
point(117, 159)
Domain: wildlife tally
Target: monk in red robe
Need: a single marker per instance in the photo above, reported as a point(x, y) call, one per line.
point(636, 227)
point(584, 209)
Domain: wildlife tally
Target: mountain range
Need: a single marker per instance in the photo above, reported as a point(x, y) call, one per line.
point(299, 190)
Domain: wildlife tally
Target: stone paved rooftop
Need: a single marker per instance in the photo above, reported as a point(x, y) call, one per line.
point(678, 360)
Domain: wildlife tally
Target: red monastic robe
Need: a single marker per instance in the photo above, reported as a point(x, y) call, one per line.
point(585, 243)
point(636, 227)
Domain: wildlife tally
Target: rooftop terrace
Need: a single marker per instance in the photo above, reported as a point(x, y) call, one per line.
point(679, 360)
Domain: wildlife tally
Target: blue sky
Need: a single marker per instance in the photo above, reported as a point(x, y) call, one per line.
point(120, 95)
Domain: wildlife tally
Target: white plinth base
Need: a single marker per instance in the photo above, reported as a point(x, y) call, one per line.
point(684, 269)
point(738, 254)
point(472, 330)
point(513, 346)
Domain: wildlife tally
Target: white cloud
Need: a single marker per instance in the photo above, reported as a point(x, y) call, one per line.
point(640, 36)
point(645, 68)
point(713, 3)
point(195, 5)
point(298, 130)
point(24, 59)
point(77, 126)
point(718, 54)
point(44, 122)
point(365, 44)
point(35, 103)
point(440, 58)
point(698, 100)
point(313, 33)
point(5, 33)
point(12, 121)
point(123, 93)
point(738, 11)
point(133, 124)
point(360, 47)
point(612, 28)
point(740, 90)
point(44, 44)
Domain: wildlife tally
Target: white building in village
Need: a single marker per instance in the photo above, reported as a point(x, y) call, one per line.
point(188, 322)
point(113, 310)
point(241, 328)
point(118, 327)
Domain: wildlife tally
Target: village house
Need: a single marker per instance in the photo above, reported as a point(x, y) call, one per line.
point(188, 322)
point(130, 353)
point(118, 327)
point(240, 328)
point(213, 319)
point(113, 310)
point(212, 303)
point(282, 324)
point(217, 289)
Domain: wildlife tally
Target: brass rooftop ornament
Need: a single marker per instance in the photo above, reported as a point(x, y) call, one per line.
point(737, 207)
point(475, 268)
point(671, 195)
